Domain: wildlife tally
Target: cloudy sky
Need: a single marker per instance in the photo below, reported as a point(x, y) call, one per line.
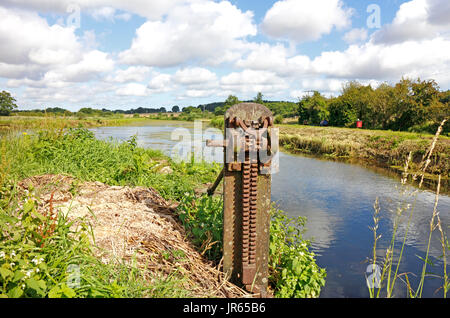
point(121, 54)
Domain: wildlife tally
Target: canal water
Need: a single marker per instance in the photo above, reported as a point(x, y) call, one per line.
point(337, 199)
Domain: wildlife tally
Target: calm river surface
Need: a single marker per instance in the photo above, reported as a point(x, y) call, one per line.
point(337, 200)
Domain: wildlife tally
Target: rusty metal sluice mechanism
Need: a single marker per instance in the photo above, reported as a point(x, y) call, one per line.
point(248, 153)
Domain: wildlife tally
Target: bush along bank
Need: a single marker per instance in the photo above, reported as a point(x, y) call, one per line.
point(75, 152)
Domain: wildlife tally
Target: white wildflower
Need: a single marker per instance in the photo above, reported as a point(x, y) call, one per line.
point(2, 254)
point(28, 273)
point(13, 253)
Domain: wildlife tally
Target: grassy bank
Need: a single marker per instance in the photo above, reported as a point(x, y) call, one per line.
point(384, 148)
point(75, 152)
point(55, 122)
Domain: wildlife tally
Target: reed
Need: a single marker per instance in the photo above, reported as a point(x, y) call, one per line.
point(389, 275)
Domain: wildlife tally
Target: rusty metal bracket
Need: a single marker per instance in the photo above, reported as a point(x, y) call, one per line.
point(246, 183)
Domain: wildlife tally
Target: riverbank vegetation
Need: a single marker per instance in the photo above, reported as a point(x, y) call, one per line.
point(39, 247)
point(384, 268)
point(384, 148)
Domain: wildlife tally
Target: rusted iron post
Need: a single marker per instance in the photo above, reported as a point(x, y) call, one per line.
point(246, 195)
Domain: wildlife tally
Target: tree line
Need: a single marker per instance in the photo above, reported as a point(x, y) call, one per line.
point(409, 105)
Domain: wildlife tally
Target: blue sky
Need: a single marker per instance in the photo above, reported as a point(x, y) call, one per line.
point(126, 54)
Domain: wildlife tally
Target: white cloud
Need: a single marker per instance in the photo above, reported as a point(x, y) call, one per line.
point(322, 84)
point(378, 61)
point(133, 89)
point(49, 51)
point(199, 93)
point(326, 86)
point(125, 16)
point(50, 61)
point(304, 20)
point(161, 83)
point(265, 57)
point(297, 94)
point(194, 76)
point(109, 13)
point(29, 39)
point(106, 13)
point(439, 12)
point(153, 9)
point(54, 64)
point(416, 20)
point(64, 96)
point(250, 81)
point(130, 74)
point(415, 44)
point(274, 58)
point(203, 31)
point(91, 64)
point(355, 35)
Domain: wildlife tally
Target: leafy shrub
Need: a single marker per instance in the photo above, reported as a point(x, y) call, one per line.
point(278, 119)
point(38, 252)
point(43, 254)
point(202, 218)
point(78, 153)
point(292, 268)
point(217, 122)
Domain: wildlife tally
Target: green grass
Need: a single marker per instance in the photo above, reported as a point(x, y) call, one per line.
point(293, 272)
point(77, 153)
point(384, 148)
point(45, 255)
point(54, 122)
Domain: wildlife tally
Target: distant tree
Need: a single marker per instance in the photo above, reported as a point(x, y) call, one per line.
point(341, 113)
point(86, 110)
point(278, 119)
point(445, 97)
point(415, 102)
point(7, 103)
point(230, 101)
point(286, 109)
point(219, 111)
point(383, 106)
point(259, 98)
point(211, 107)
point(191, 109)
point(162, 110)
point(55, 110)
point(175, 109)
point(355, 102)
point(313, 108)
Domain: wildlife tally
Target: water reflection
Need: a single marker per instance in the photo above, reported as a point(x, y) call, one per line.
point(337, 199)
